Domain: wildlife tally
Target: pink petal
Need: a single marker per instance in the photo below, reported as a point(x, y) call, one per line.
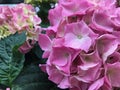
point(97, 84)
point(73, 41)
point(60, 56)
point(101, 84)
point(8, 89)
point(54, 74)
point(101, 21)
point(45, 42)
point(106, 45)
point(27, 46)
point(64, 83)
point(55, 15)
point(78, 85)
point(92, 57)
point(113, 73)
point(88, 72)
point(115, 57)
point(78, 36)
point(36, 20)
point(75, 7)
point(46, 54)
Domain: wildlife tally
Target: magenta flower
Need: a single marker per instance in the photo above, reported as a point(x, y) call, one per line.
point(78, 36)
point(62, 57)
point(82, 44)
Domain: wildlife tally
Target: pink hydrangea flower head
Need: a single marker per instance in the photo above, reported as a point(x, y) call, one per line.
point(25, 18)
point(19, 18)
point(82, 44)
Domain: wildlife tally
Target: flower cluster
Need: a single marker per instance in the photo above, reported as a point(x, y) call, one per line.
point(19, 18)
point(82, 45)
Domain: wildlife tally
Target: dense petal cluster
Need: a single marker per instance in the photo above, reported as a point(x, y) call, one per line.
point(19, 18)
point(83, 45)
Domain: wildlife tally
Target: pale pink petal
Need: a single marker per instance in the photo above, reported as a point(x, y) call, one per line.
point(75, 7)
point(73, 41)
point(36, 20)
point(78, 36)
point(55, 15)
point(45, 42)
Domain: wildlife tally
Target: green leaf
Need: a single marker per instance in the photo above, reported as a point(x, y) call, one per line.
point(32, 78)
point(37, 50)
point(11, 60)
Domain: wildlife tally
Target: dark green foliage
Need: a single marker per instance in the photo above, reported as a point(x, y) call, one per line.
point(11, 60)
point(32, 78)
